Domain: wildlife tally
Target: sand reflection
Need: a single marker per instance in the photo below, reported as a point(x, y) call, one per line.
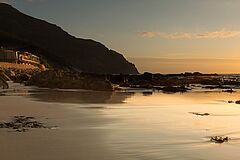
point(79, 97)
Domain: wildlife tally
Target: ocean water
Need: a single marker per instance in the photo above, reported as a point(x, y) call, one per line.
point(127, 125)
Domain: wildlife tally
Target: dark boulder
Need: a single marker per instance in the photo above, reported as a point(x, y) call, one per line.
point(237, 102)
point(69, 80)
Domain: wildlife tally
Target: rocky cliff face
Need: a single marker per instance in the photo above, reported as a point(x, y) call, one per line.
point(18, 30)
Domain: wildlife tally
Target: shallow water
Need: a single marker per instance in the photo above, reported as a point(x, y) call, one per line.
point(132, 126)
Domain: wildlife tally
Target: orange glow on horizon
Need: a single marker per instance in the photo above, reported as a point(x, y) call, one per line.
point(157, 65)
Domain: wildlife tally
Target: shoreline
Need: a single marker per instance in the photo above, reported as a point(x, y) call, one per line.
point(68, 79)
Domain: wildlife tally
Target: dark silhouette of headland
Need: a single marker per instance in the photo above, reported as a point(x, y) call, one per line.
point(57, 47)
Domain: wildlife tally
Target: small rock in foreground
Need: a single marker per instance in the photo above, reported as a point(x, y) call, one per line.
point(22, 124)
point(219, 139)
point(237, 102)
point(229, 91)
point(200, 114)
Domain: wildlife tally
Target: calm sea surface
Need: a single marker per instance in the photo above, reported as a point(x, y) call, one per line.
point(137, 126)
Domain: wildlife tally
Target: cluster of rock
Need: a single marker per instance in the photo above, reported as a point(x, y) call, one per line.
point(55, 78)
point(16, 75)
point(175, 82)
point(236, 102)
point(20, 75)
point(69, 79)
point(149, 80)
point(22, 124)
point(219, 139)
point(63, 79)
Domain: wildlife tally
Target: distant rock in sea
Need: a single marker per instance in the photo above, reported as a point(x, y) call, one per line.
point(59, 48)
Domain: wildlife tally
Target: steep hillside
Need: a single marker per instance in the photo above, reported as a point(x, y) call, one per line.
point(18, 30)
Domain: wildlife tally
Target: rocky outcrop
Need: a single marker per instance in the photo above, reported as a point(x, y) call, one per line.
point(69, 80)
point(3, 81)
point(17, 75)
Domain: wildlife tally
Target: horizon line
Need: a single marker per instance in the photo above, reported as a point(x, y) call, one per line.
point(184, 58)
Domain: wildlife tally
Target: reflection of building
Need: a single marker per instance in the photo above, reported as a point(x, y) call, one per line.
point(18, 57)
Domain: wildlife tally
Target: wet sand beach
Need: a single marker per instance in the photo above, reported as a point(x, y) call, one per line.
point(125, 126)
point(78, 135)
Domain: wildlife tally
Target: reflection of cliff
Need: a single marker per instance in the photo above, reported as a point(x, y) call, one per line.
point(80, 97)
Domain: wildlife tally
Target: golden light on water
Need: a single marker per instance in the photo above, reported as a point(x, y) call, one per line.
point(221, 66)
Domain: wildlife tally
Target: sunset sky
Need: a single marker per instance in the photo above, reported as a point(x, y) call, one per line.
point(157, 35)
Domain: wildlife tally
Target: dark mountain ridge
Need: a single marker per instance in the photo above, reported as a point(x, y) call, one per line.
point(18, 30)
